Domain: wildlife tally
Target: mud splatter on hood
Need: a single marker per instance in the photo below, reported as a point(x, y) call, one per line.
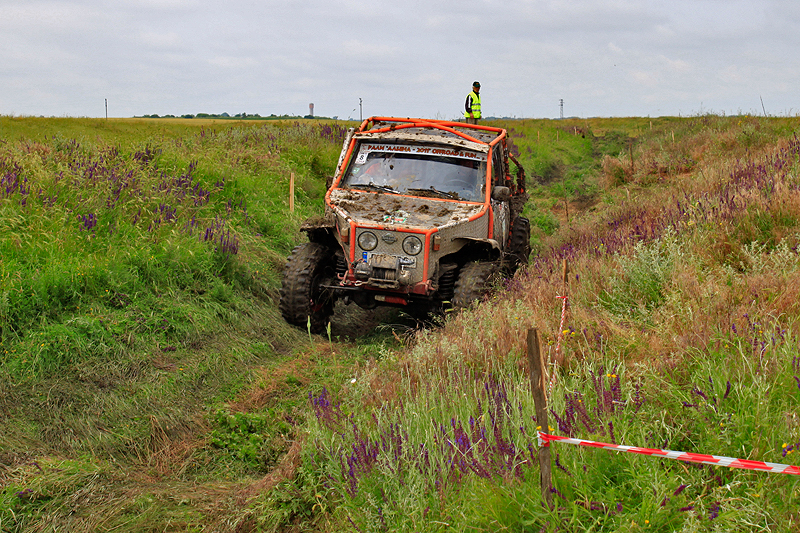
point(377, 208)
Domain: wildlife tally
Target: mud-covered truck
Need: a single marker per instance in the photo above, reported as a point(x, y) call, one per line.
point(421, 214)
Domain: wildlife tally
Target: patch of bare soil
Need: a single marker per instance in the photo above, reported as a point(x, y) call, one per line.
point(283, 471)
point(583, 203)
point(351, 322)
point(274, 381)
point(567, 212)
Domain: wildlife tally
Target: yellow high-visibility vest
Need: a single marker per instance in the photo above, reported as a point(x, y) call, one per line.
point(476, 105)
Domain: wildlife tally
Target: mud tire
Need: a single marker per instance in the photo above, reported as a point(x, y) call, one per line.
point(473, 283)
point(519, 245)
point(308, 266)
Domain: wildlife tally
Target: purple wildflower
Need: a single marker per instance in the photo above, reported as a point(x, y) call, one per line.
point(562, 467)
point(24, 493)
point(700, 393)
point(354, 525)
point(89, 221)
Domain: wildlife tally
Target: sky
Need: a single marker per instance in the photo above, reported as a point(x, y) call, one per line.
point(359, 58)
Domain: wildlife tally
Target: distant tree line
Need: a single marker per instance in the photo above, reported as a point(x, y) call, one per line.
point(238, 116)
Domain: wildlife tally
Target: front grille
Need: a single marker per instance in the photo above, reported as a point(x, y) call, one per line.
point(394, 248)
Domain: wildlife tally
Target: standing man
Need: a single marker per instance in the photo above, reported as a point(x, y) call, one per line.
point(472, 107)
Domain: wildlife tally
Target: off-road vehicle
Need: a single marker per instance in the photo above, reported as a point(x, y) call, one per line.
point(421, 214)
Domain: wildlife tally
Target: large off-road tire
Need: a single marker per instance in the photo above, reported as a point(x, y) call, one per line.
point(309, 265)
point(519, 244)
point(473, 283)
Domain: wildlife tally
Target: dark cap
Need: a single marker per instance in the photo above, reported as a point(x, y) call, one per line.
point(476, 84)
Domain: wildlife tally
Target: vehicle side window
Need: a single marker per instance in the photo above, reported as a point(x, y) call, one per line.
point(498, 166)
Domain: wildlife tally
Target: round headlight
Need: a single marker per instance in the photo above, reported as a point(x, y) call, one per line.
point(412, 245)
point(367, 241)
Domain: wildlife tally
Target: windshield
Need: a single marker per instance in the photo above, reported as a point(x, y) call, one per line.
point(419, 171)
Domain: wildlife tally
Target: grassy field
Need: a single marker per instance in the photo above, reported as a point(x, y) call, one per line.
point(140, 336)
point(147, 382)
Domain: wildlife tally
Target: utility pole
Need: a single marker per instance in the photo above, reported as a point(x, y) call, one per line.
point(106, 108)
point(360, 112)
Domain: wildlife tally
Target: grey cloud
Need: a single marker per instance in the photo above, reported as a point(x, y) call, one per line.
point(620, 57)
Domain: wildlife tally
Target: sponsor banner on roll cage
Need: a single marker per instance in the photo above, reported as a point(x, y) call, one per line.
point(368, 148)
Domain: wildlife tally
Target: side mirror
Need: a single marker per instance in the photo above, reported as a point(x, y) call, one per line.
point(501, 194)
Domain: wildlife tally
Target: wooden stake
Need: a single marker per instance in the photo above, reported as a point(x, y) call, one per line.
point(538, 384)
point(291, 193)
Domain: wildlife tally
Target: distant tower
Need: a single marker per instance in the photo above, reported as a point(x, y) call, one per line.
point(311, 109)
point(561, 107)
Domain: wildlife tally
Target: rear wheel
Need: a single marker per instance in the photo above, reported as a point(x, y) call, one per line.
point(473, 283)
point(519, 245)
point(302, 299)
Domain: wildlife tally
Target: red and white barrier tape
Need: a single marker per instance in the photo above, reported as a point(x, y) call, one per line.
point(730, 462)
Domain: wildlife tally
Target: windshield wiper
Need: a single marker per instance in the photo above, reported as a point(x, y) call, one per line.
point(442, 194)
point(374, 187)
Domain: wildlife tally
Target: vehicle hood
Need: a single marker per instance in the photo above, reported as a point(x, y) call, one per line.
point(378, 208)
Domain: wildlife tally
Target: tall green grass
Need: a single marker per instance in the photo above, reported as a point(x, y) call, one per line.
point(139, 267)
point(454, 448)
point(90, 224)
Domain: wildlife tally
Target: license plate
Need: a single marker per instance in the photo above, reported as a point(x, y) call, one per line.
point(389, 261)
